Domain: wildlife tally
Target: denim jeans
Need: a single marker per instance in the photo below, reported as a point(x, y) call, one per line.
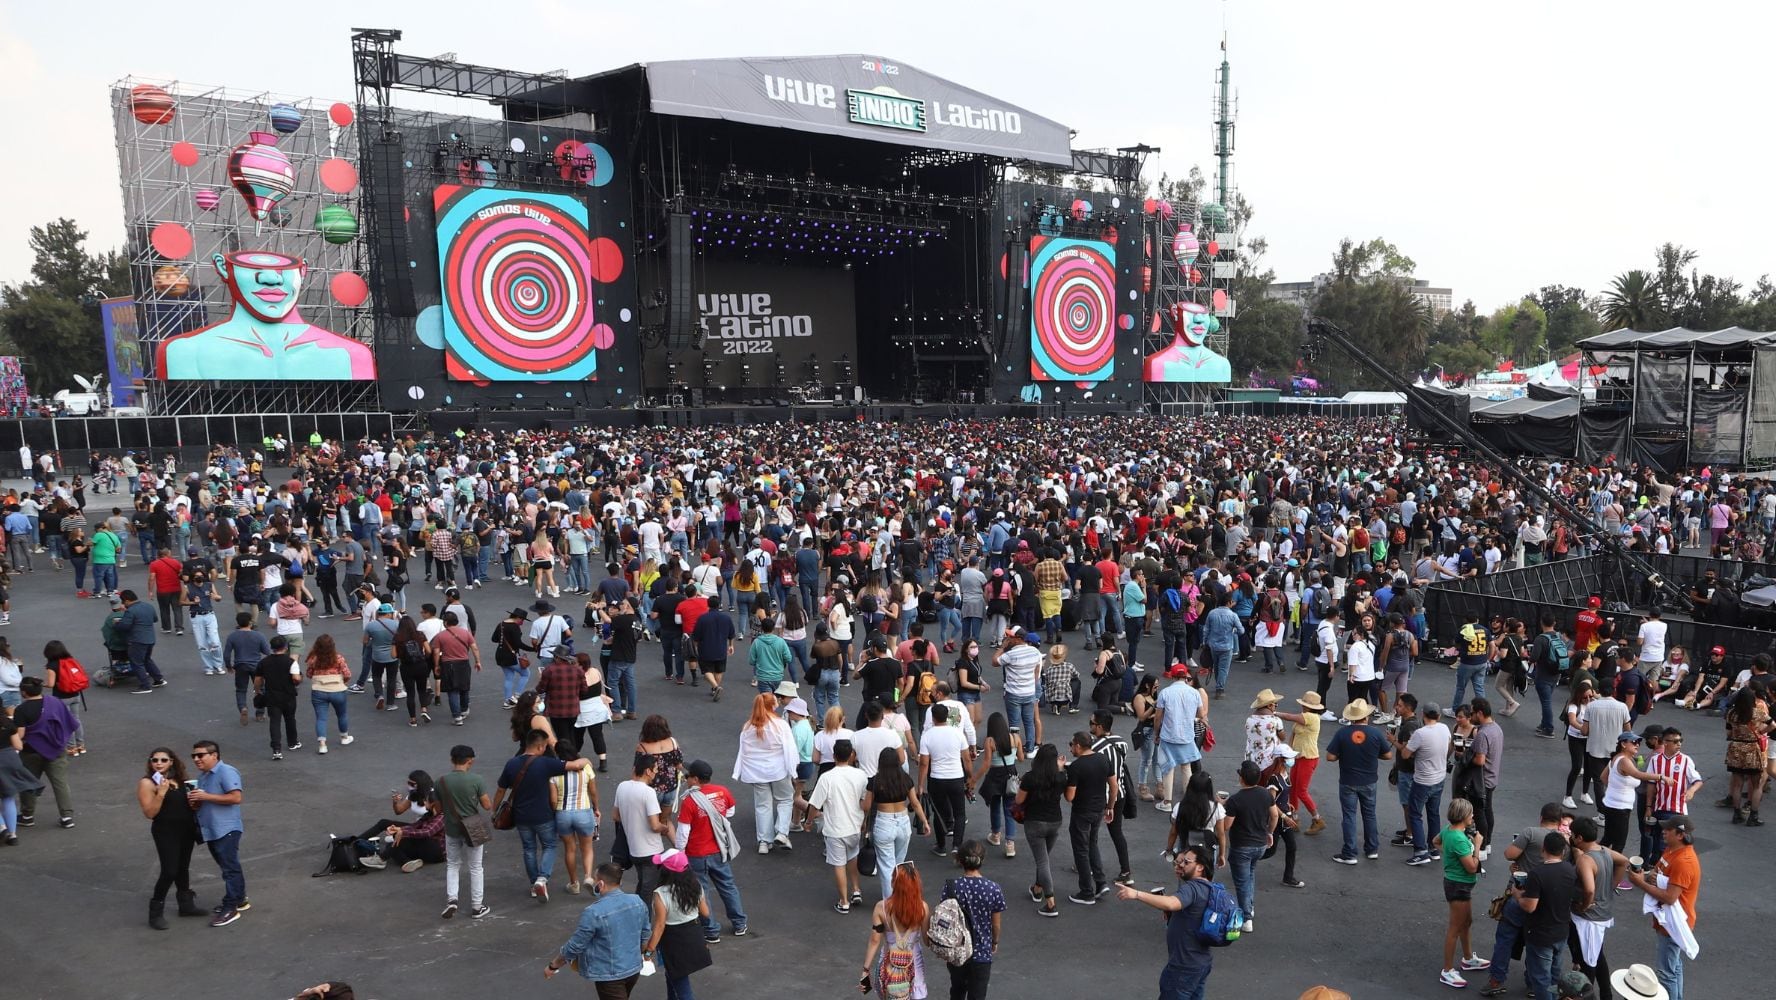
point(514, 679)
point(999, 815)
point(1504, 941)
point(620, 682)
point(1465, 675)
point(539, 842)
point(1042, 836)
point(799, 648)
point(1669, 967)
point(1424, 808)
point(1545, 692)
point(826, 692)
point(579, 572)
point(1541, 966)
point(1244, 862)
point(209, 641)
point(226, 852)
point(1020, 711)
point(459, 702)
point(1350, 799)
point(671, 655)
point(141, 659)
point(718, 878)
point(893, 833)
point(1223, 661)
point(320, 700)
point(1178, 984)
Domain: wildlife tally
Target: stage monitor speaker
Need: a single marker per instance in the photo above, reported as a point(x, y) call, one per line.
point(384, 183)
point(681, 303)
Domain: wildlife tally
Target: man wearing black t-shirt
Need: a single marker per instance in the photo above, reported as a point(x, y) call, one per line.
point(244, 576)
point(1252, 816)
point(666, 627)
point(620, 677)
point(1093, 789)
point(275, 678)
point(882, 674)
point(1547, 897)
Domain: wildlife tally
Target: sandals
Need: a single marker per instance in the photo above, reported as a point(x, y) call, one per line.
point(841, 907)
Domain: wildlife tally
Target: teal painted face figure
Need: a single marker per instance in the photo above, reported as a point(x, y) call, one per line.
point(265, 284)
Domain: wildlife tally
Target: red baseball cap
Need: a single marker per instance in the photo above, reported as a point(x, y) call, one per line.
point(1594, 602)
point(1720, 650)
point(1178, 670)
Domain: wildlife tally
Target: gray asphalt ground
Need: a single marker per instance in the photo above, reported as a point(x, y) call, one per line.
point(74, 924)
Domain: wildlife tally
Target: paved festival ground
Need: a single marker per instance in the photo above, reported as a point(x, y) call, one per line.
point(74, 900)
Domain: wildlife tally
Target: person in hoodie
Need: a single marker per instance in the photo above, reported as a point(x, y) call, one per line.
point(288, 616)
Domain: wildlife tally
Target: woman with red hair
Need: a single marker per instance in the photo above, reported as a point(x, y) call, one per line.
point(896, 954)
point(767, 761)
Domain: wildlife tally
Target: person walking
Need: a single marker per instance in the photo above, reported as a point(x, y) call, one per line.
point(1189, 960)
point(328, 677)
point(161, 793)
point(1250, 827)
point(1095, 792)
point(767, 761)
point(643, 819)
point(1304, 739)
point(837, 802)
point(454, 653)
point(706, 835)
point(137, 625)
point(895, 958)
point(526, 779)
point(994, 769)
point(677, 905)
point(275, 681)
point(1358, 749)
point(241, 654)
point(1428, 750)
point(463, 796)
point(983, 904)
point(606, 946)
point(890, 800)
point(945, 757)
point(217, 800)
point(1180, 707)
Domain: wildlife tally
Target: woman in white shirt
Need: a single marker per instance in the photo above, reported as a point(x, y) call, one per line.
point(1359, 661)
point(767, 761)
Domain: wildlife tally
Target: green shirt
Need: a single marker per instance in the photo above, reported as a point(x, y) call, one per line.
point(769, 657)
point(104, 548)
point(460, 793)
point(1457, 846)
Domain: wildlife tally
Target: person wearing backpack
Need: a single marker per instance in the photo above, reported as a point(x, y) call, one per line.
point(1548, 654)
point(1188, 958)
point(895, 957)
point(981, 901)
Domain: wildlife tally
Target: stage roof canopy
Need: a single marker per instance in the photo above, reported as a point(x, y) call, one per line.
point(856, 96)
point(1679, 339)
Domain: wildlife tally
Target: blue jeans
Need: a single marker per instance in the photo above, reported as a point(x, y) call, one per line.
point(320, 700)
point(949, 622)
point(141, 659)
point(799, 647)
point(1244, 862)
point(718, 878)
point(1350, 799)
point(1021, 712)
point(999, 815)
point(826, 692)
point(514, 678)
point(459, 702)
point(679, 989)
point(621, 685)
point(1669, 967)
point(1179, 984)
point(893, 833)
point(226, 852)
point(1424, 808)
point(1545, 692)
point(105, 577)
point(1223, 662)
point(579, 572)
point(671, 655)
point(1510, 925)
point(744, 600)
point(1541, 966)
point(538, 841)
point(1465, 675)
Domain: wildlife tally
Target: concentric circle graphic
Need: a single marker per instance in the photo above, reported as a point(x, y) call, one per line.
point(522, 302)
point(1073, 311)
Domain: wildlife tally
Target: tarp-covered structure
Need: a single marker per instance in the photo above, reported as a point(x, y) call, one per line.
point(1527, 425)
point(1679, 397)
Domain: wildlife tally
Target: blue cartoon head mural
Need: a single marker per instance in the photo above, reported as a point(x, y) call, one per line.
point(1187, 359)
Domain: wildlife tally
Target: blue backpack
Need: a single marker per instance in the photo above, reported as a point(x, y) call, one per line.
point(1221, 919)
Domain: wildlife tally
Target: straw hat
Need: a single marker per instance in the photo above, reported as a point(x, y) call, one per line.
point(1637, 982)
point(1358, 711)
point(1057, 652)
point(1325, 993)
point(1265, 699)
point(1311, 700)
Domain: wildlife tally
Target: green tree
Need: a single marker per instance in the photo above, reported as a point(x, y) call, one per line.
point(1633, 302)
point(53, 320)
point(1266, 337)
point(1670, 260)
point(1758, 310)
point(1708, 303)
point(1369, 296)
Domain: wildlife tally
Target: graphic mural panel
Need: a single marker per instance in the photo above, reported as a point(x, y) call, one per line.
point(124, 361)
point(1072, 309)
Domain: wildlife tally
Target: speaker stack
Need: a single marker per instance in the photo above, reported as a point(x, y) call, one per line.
point(393, 273)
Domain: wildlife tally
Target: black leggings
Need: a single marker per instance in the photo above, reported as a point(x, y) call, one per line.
point(173, 844)
point(1575, 752)
point(596, 734)
point(415, 683)
point(427, 849)
point(1615, 828)
point(1285, 838)
point(1121, 842)
point(1599, 973)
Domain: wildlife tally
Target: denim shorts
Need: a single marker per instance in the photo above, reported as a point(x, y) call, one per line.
point(576, 823)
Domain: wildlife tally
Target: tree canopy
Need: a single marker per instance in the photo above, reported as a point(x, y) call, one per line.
point(52, 321)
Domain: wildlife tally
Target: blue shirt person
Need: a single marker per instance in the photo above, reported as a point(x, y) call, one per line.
point(606, 946)
point(217, 799)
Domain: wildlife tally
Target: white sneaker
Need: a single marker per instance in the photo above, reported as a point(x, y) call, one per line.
point(1247, 929)
point(1450, 977)
point(1569, 803)
point(320, 746)
point(1586, 798)
point(345, 739)
point(764, 847)
point(1329, 716)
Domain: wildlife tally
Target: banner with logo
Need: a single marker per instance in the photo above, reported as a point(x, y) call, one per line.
point(756, 318)
point(860, 96)
point(125, 363)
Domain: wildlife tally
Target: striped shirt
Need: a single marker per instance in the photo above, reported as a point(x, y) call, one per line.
point(572, 791)
point(1672, 797)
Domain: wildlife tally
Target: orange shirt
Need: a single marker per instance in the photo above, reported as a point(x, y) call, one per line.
point(1685, 872)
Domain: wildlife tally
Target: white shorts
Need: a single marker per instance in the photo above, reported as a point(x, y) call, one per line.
point(840, 850)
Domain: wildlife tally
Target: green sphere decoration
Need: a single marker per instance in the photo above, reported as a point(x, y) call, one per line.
point(337, 224)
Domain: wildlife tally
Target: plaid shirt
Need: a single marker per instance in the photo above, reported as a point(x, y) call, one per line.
point(561, 684)
point(1057, 681)
point(1050, 575)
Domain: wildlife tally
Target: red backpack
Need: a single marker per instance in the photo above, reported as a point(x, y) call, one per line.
point(71, 678)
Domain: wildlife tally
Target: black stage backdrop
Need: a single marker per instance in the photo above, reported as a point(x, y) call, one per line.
point(756, 319)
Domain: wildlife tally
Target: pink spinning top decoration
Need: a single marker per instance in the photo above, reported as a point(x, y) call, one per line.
point(261, 173)
point(207, 199)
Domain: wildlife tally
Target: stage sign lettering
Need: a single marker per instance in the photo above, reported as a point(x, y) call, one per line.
point(886, 109)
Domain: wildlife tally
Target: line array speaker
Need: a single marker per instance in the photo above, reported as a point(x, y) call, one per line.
point(393, 273)
point(681, 311)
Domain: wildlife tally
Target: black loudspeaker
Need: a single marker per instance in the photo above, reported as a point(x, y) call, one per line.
point(383, 185)
point(681, 302)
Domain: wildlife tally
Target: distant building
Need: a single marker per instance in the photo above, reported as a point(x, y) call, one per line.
point(1302, 293)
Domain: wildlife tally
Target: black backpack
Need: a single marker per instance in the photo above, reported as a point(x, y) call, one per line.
point(342, 859)
point(927, 608)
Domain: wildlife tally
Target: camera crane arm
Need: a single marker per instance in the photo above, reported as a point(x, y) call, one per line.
point(1322, 330)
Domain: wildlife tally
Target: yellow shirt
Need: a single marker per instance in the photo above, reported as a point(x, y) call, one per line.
point(1305, 740)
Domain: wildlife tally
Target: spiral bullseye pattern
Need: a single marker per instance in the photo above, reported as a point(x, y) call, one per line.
point(1072, 310)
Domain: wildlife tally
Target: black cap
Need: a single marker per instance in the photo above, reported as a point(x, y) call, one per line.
point(700, 770)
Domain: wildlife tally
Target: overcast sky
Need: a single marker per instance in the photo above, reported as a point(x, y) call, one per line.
point(1503, 146)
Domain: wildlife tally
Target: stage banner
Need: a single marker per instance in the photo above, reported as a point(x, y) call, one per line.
point(519, 273)
point(756, 321)
point(14, 393)
point(1072, 309)
point(123, 350)
point(859, 97)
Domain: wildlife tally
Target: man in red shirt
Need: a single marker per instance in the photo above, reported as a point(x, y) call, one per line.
point(689, 610)
point(1110, 593)
point(696, 836)
point(164, 573)
point(1585, 625)
point(453, 653)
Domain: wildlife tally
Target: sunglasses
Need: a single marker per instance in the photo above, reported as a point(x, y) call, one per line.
point(160, 760)
point(200, 754)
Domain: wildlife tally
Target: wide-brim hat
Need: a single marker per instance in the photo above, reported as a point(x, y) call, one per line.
point(1637, 982)
point(1265, 699)
point(787, 689)
point(518, 613)
point(1358, 711)
point(1311, 700)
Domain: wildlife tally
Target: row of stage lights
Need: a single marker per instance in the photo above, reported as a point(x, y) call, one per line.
point(811, 190)
point(459, 160)
point(771, 232)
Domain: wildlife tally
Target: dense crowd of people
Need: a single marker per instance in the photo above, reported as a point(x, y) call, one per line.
point(918, 612)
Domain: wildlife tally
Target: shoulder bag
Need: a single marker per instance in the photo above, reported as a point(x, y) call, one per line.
point(475, 827)
point(504, 817)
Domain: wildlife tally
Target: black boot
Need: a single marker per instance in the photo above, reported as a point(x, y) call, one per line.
point(157, 914)
point(1752, 820)
point(188, 905)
